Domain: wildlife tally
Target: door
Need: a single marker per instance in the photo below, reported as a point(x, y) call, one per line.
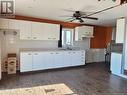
point(58, 59)
point(55, 31)
point(13, 24)
point(67, 58)
point(38, 31)
point(26, 61)
point(38, 61)
point(116, 63)
point(78, 58)
point(25, 30)
point(3, 23)
point(52, 32)
point(48, 60)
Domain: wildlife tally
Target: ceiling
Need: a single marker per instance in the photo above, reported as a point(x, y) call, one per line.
point(53, 9)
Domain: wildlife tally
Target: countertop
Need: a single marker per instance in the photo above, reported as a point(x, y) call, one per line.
point(44, 50)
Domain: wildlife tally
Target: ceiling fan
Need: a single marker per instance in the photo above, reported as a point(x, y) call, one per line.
point(79, 16)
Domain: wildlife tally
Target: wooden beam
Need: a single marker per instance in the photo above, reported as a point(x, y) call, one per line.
point(64, 24)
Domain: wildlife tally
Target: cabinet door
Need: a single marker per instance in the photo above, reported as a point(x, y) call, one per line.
point(58, 59)
point(48, 60)
point(55, 32)
point(83, 31)
point(116, 63)
point(13, 24)
point(67, 58)
point(78, 31)
point(77, 58)
point(25, 30)
point(37, 61)
point(88, 31)
point(52, 32)
point(26, 61)
point(120, 30)
point(38, 31)
point(4, 23)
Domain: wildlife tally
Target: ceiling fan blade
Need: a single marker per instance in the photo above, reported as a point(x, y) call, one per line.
point(69, 19)
point(85, 12)
point(72, 20)
point(81, 20)
point(93, 18)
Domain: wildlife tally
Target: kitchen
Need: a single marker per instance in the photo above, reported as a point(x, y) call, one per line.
point(41, 52)
point(26, 39)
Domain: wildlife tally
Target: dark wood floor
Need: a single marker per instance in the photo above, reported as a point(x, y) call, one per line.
point(92, 79)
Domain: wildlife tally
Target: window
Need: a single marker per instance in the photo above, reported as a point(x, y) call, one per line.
point(67, 37)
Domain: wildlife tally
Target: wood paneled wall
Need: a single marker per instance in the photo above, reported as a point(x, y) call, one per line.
point(102, 35)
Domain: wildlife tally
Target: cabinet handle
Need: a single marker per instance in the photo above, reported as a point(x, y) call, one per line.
point(51, 53)
point(57, 53)
point(53, 38)
point(29, 53)
point(35, 37)
point(28, 37)
point(49, 38)
point(36, 54)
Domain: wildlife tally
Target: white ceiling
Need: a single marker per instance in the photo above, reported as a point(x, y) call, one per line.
point(53, 9)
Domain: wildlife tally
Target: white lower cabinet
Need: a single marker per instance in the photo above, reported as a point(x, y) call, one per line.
point(116, 63)
point(58, 59)
point(49, 60)
point(26, 63)
point(74, 58)
point(67, 58)
point(33, 61)
point(78, 57)
point(37, 61)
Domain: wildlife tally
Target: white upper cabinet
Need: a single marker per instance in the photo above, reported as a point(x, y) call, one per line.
point(52, 31)
point(25, 30)
point(120, 30)
point(13, 24)
point(83, 32)
point(32, 30)
point(4, 23)
point(37, 31)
